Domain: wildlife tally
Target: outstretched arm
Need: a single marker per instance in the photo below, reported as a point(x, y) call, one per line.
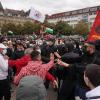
point(63, 63)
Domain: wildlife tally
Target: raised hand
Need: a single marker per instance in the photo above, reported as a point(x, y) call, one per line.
point(51, 56)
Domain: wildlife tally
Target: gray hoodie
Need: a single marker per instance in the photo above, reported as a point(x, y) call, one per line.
point(31, 88)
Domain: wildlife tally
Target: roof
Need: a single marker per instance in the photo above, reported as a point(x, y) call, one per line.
point(15, 12)
point(75, 12)
point(12, 11)
point(1, 7)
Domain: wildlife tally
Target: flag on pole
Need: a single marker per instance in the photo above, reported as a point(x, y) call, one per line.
point(49, 30)
point(36, 15)
point(95, 30)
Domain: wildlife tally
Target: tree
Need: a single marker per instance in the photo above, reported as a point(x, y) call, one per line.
point(28, 28)
point(8, 27)
point(37, 28)
point(19, 29)
point(63, 28)
point(81, 28)
point(49, 25)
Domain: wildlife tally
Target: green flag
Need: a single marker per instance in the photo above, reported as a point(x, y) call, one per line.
point(49, 30)
point(10, 33)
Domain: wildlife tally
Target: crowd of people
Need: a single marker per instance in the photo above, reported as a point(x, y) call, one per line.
point(71, 67)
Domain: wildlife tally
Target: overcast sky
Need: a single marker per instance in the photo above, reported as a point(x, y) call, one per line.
point(49, 6)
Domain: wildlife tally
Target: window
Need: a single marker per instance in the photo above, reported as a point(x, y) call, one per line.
point(90, 13)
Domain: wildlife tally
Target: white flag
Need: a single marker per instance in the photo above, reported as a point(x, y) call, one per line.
point(36, 15)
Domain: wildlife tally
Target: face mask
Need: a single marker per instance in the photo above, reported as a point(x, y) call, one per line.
point(4, 51)
point(39, 50)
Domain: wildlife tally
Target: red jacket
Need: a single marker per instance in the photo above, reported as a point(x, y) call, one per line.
point(34, 68)
point(19, 63)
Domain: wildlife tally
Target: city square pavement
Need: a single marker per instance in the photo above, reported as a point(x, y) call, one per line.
point(52, 95)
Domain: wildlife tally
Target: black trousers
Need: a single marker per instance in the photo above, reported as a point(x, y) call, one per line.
point(5, 90)
point(67, 89)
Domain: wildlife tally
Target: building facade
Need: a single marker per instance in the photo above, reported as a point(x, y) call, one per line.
point(13, 16)
point(73, 17)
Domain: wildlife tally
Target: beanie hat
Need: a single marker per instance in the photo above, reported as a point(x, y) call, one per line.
point(31, 88)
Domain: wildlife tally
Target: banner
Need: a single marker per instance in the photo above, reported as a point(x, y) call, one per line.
point(36, 15)
point(95, 30)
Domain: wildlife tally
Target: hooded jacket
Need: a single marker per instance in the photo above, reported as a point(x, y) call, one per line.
point(93, 94)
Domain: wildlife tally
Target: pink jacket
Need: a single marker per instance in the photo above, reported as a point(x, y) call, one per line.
point(34, 68)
